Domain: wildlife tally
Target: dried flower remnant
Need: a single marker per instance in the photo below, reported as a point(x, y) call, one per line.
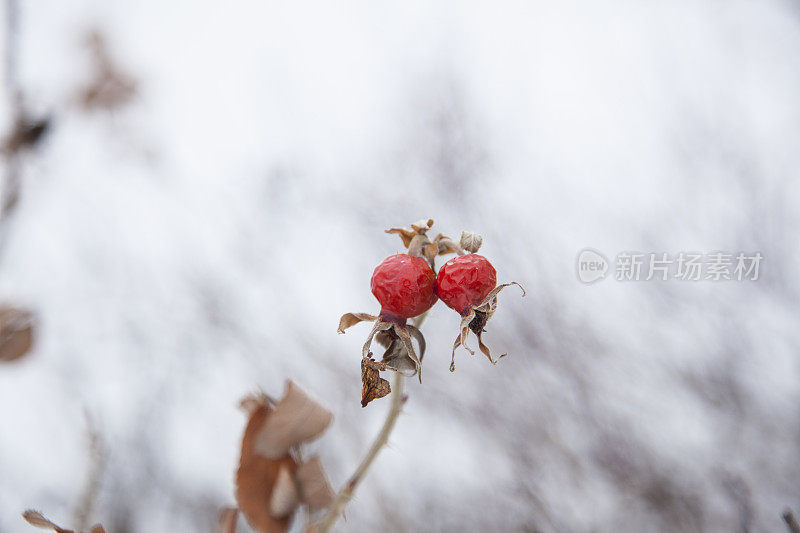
point(373, 386)
point(468, 284)
point(16, 332)
point(272, 481)
point(418, 243)
point(35, 518)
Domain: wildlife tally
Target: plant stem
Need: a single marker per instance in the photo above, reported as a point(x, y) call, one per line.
point(346, 493)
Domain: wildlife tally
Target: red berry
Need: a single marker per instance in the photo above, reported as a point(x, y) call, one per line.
point(464, 281)
point(404, 285)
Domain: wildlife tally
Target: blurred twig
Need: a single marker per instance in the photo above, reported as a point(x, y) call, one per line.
point(791, 521)
point(97, 460)
point(9, 192)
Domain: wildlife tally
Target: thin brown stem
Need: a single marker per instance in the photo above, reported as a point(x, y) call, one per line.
point(397, 400)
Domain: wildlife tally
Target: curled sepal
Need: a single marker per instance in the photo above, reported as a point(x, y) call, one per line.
point(351, 319)
point(475, 320)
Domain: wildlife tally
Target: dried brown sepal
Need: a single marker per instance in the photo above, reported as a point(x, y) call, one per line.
point(35, 518)
point(97, 529)
point(397, 340)
point(373, 386)
point(446, 245)
point(226, 520)
point(476, 320)
point(315, 490)
point(419, 244)
point(471, 242)
point(16, 333)
point(257, 475)
point(285, 496)
point(296, 418)
point(351, 319)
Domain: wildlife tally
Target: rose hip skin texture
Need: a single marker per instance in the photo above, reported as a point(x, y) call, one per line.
point(404, 285)
point(464, 281)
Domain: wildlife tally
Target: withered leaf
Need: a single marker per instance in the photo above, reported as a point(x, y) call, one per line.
point(35, 518)
point(16, 333)
point(285, 497)
point(97, 529)
point(226, 521)
point(373, 386)
point(257, 476)
point(314, 487)
point(351, 319)
point(296, 418)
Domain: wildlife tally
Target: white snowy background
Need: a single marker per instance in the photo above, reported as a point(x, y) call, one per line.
point(203, 240)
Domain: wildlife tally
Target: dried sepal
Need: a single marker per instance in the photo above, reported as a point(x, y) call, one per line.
point(471, 242)
point(285, 496)
point(315, 490)
point(400, 354)
point(295, 419)
point(16, 332)
point(419, 244)
point(373, 386)
point(226, 520)
point(97, 529)
point(402, 332)
point(351, 319)
point(35, 518)
point(446, 245)
point(475, 320)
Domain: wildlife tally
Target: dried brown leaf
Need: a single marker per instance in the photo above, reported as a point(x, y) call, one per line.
point(373, 386)
point(297, 418)
point(351, 319)
point(257, 475)
point(99, 529)
point(16, 333)
point(285, 497)
point(226, 521)
point(314, 487)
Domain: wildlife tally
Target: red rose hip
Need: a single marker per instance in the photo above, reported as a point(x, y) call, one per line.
point(464, 281)
point(404, 285)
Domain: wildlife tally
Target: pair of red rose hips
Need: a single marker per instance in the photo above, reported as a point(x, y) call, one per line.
point(406, 286)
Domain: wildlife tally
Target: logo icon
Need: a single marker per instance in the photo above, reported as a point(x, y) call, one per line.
point(592, 266)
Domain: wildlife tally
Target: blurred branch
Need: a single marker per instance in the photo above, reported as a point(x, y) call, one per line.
point(9, 193)
point(791, 521)
point(97, 460)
